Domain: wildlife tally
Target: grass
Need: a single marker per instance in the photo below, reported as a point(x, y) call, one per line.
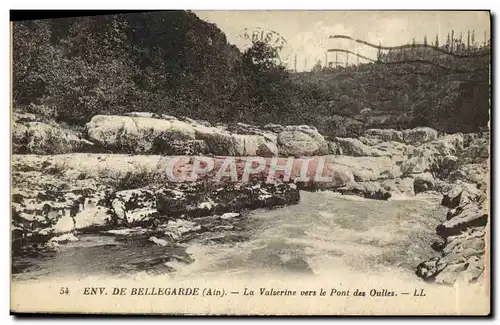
point(131, 179)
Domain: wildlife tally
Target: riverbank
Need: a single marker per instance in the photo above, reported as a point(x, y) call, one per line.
point(58, 195)
point(322, 232)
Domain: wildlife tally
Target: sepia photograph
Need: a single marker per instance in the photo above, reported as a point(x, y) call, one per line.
point(250, 162)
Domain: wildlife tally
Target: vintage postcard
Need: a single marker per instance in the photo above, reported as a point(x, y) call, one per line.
point(251, 163)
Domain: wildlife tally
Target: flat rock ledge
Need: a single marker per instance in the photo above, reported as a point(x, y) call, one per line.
point(39, 216)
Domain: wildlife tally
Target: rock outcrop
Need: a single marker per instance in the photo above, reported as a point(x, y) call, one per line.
point(299, 141)
point(462, 252)
point(147, 133)
point(415, 136)
point(137, 134)
point(40, 214)
point(58, 195)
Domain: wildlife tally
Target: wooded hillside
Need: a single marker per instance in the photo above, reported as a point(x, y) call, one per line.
point(172, 62)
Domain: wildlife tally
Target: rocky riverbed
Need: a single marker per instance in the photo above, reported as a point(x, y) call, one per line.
point(110, 179)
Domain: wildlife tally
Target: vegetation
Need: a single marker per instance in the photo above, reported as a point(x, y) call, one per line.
point(173, 63)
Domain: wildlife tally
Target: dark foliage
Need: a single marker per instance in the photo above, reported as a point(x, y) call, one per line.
point(173, 63)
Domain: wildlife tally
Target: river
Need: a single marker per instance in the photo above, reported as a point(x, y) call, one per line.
point(325, 231)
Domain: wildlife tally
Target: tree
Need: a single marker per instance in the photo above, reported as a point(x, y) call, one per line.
point(317, 67)
point(460, 43)
point(452, 44)
point(267, 82)
point(436, 44)
point(379, 53)
point(33, 57)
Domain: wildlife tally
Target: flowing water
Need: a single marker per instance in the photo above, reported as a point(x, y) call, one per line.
point(325, 231)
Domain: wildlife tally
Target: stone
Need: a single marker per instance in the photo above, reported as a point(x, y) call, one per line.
point(127, 134)
point(190, 200)
point(159, 242)
point(450, 162)
point(460, 194)
point(254, 145)
point(419, 135)
point(356, 148)
point(415, 165)
point(369, 190)
point(302, 140)
point(393, 148)
point(477, 151)
point(475, 268)
point(365, 168)
point(450, 273)
point(39, 215)
point(475, 173)
point(423, 182)
point(429, 269)
point(470, 216)
point(230, 215)
point(135, 207)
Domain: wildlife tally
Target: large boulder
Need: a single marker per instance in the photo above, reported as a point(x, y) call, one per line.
point(370, 146)
point(393, 148)
point(460, 194)
point(380, 190)
point(237, 140)
point(436, 156)
point(471, 173)
point(133, 134)
point(366, 169)
point(254, 145)
point(300, 141)
point(449, 144)
point(354, 147)
point(219, 141)
point(471, 215)
point(477, 151)
point(419, 135)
